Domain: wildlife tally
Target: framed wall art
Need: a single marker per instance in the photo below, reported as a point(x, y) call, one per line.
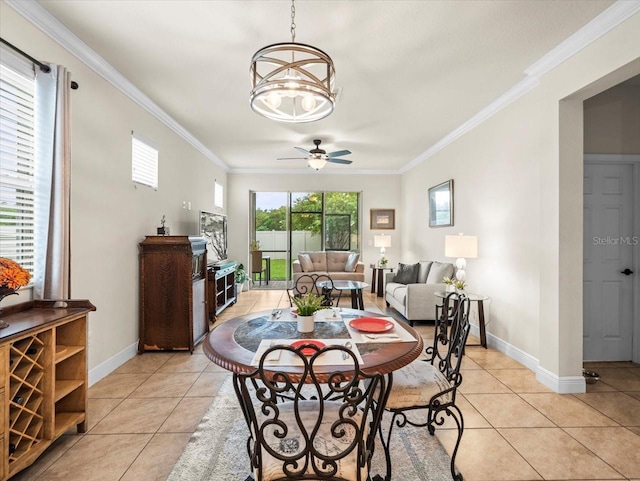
point(441, 204)
point(383, 219)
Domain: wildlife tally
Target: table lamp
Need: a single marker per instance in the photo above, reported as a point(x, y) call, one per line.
point(462, 247)
point(381, 241)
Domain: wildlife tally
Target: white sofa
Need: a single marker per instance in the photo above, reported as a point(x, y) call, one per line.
point(339, 265)
point(416, 301)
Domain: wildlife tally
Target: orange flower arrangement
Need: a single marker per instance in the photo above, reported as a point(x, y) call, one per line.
point(12, 275)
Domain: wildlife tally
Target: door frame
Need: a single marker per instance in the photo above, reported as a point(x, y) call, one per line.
point(634, 160)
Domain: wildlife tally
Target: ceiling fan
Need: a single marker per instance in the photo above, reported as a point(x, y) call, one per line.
point(318, 157)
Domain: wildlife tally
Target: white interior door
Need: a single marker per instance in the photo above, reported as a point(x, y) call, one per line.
point(608, 251)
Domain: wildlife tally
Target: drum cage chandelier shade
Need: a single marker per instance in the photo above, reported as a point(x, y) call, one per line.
point(292, 82)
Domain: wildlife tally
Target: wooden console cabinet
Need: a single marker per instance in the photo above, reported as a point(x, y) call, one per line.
point(222, 287)
point(43, 378)
point(173, 293)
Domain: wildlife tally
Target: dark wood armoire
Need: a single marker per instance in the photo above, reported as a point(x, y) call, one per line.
point(173, 293)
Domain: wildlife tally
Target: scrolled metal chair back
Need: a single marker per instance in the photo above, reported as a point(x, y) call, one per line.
point(309, 283)
point(311, 424)
point(451, 332)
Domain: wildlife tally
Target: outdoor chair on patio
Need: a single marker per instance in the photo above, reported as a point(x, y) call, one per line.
point(311, 425)
point(309, 283)
point(427, 387)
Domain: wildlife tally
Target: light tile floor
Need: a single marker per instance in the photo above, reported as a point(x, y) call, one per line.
point(142, 415)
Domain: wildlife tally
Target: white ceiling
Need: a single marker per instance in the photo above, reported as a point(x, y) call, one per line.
point(410, 72)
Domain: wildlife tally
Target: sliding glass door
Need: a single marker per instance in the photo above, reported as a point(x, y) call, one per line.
point(288, 223)
point(270, 231)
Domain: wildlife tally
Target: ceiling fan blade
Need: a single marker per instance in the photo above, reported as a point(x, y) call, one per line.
point(339, 153)
point(339, 161)
point(304, 151)
point(292, 158)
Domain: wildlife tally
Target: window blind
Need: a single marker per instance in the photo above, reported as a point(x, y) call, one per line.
point(144, 163)
point(17, 166)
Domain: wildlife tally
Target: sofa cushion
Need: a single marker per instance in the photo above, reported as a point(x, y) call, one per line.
point(347, 276)
point(352, 262)
point(336, 260)
point(423, 271)
point(305, 262)
point(319, 261)
point(407, 273)
point(391, 287)
point(400, 294)
point(438, 271)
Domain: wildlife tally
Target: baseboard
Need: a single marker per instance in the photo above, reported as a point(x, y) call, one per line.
point(513, 352)
point(561, 385)
point(107, 367)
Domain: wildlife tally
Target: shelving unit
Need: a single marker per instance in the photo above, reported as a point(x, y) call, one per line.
point(43, 379)
point(222, 287)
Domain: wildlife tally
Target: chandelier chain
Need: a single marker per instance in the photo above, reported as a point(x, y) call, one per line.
point(293, 22)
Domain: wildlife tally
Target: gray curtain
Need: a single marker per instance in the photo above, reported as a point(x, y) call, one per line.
point(53, 185)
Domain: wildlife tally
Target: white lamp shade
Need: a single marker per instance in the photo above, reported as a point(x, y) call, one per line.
point(465, 246)
point(381, 241)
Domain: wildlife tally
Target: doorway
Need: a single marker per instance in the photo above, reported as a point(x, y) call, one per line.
point(611, 221)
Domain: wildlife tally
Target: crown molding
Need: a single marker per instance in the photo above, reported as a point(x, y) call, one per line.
point(596, 28)
point(41, 18)
point(501, 102)
point(617, 13)
point(310, 171)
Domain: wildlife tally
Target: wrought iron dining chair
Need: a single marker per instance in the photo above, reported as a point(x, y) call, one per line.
point(309, 283)
point(326, 428)
point(429, 386)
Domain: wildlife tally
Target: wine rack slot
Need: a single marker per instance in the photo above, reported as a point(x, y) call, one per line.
point(26, 394)
point(43, 379)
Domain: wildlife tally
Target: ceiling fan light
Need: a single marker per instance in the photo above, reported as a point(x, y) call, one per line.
point(317, 163)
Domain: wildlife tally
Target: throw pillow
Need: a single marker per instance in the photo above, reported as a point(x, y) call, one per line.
point(439, 270)
point(407, 274)
point(423, 271)
point(352, 262)
point(305, 262)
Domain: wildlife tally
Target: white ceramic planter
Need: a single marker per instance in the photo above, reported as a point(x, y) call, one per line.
point(451, 288)
point(306, 323)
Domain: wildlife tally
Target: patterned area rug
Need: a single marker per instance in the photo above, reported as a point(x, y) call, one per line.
point(217, 450)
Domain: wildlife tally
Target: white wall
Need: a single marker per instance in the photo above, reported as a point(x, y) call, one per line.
point(520, 191)
point(109, 215)
point(378, 192)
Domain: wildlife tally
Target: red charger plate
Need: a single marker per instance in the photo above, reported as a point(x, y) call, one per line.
point(308, 351)
point(371, 324)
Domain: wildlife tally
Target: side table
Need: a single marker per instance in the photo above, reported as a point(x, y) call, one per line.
point(378, 273)
point(481, 323)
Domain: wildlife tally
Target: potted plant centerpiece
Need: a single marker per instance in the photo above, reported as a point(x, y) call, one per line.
point(460, 286)
point(307, 306)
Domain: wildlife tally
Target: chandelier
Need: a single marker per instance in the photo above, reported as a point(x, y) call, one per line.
point(292, 82)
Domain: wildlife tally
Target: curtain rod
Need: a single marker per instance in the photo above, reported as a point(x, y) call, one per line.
point(44, 68)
